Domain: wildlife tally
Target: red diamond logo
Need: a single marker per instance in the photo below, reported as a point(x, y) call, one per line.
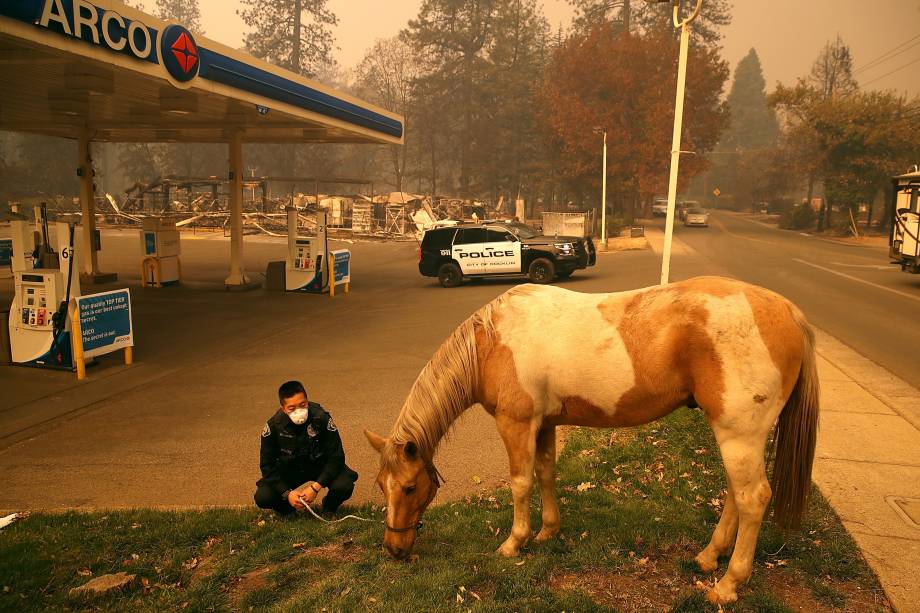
point(185, 52)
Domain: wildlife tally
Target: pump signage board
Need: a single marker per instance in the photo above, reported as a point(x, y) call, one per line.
point(341, 266)
point(105, 322)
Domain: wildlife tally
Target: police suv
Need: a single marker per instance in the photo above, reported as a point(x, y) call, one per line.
point(499, 249)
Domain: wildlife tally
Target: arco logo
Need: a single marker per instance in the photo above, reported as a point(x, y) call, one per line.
point(179, 53)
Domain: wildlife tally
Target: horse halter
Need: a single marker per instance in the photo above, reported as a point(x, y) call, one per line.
point(436, 480)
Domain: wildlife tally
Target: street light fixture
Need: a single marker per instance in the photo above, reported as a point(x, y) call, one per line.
point(603, 245)
point(684, 26)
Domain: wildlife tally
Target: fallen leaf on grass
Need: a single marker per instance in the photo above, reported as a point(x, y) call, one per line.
point(642, 561)
point(372, 600)
point(345, 592)
point(135, 526)
point(477, 479)
point(190, 564)
point(260, 523)
point(521, 563)
point(587, 485)
point(84, 572)
point(298, 545)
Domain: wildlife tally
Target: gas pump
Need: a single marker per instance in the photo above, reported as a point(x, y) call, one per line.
point(307, 269)
point(39, 321)
point(160, 247)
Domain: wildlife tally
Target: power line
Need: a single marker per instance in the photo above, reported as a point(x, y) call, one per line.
point(892, 72)
point(891, 57)
point(885, 56)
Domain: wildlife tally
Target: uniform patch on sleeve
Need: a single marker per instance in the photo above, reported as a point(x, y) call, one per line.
point(266, 431)
point(331, 425)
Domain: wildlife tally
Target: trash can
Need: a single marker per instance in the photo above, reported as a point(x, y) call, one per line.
point(637, 232)
point(275, 276)
point(6, 351)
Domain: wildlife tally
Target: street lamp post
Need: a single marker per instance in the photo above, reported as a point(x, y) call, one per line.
point(684, 26)
point(603, 245)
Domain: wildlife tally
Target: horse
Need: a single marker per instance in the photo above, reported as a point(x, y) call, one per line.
point(539, 356)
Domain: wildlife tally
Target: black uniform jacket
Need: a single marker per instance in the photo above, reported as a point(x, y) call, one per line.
point(291, 455)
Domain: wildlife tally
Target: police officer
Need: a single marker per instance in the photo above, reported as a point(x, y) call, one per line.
point(301, 455)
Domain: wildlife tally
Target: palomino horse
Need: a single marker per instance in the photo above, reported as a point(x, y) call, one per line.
point(538, 357)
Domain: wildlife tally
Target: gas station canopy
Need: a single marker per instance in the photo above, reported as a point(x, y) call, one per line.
point(102, 71)
point(72, 67)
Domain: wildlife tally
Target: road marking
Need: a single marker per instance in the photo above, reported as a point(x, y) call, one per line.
point(858, 280)
point(869, 266)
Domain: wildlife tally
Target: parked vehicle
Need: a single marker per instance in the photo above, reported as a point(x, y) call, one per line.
point(472, 250)
point(697, 217)
point(660, 207)
point(684, 206)
point(904, 237)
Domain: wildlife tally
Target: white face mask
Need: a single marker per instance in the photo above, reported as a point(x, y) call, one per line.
point(299, 416)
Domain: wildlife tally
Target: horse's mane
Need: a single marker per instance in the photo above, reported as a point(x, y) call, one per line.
point(444, 389)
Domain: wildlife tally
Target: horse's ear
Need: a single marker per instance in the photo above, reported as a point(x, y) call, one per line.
point(411, 450)
point(376, 441)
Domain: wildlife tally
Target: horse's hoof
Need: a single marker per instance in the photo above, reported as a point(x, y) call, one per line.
point(707, 564)
point(720, 597)
point(545, 535)
point(508, 550)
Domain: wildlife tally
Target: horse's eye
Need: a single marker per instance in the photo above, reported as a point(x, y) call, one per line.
point(410, 489)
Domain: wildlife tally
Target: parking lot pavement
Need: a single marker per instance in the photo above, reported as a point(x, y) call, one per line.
point(181, 426)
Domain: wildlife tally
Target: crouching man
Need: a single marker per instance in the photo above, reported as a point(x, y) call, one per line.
point(301, 455)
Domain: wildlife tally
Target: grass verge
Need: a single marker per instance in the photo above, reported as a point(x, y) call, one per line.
point(637, 505)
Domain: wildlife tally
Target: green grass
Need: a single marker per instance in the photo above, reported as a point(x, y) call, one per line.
point(627, 543)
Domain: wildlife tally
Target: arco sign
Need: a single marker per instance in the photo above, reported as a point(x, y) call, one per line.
point(174, 48)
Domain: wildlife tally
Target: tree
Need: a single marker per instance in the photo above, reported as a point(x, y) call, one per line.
point(810, 102)
point(385, 77)
point(294, 34)
point(832, 72)
point(753, 123)
point(625, 84)
point(186, 12)
point(751, 133)
point(451, 36)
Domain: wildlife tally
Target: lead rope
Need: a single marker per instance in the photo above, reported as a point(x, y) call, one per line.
point(328, 521)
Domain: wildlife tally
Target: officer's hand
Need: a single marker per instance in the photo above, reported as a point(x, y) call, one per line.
point(293, 496)
point(308, 495)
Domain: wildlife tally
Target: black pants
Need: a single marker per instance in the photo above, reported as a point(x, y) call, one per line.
point(339, 491)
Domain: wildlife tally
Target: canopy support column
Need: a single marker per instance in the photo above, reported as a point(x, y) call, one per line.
point(237, 279)
point(90, 273)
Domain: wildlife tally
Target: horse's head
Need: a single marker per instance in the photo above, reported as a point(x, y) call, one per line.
point(409, 483)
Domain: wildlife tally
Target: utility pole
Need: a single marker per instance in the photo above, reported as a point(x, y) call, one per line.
point(684, 26)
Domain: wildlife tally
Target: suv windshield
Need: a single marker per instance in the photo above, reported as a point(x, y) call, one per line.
point(521, 230)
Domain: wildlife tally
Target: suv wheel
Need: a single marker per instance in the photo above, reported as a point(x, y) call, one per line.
point(450, 275)
point(542, 271)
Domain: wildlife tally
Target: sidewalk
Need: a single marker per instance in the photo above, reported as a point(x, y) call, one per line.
point(867, 464)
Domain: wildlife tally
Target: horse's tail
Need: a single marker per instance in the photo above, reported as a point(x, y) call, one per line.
point(794, 439)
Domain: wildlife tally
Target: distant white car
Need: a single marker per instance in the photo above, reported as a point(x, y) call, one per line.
point(660, 208)
point(696, 217)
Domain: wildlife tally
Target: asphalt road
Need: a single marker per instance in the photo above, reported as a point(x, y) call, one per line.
point(180, 427)
point(850, 291)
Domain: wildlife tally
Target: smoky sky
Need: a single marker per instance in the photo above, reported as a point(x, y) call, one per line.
point(787, 34)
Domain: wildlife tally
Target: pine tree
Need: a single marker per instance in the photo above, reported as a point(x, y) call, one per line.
point(293, 34)
point(185, 12)
point(452, 35)
point(753, 124)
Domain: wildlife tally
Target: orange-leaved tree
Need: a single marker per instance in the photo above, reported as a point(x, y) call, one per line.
point(625, 83)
